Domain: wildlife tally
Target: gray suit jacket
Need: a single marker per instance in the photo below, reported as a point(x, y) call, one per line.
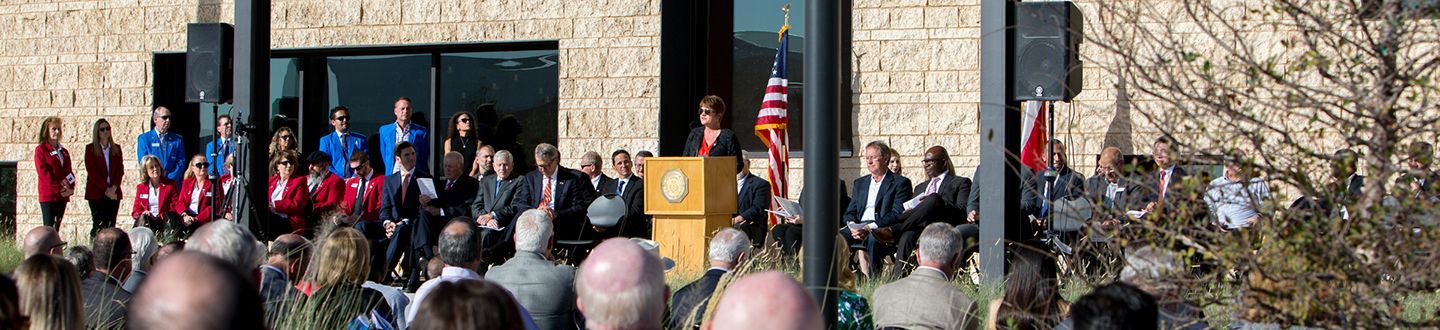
point(924, 300)
point(491, 200)
point(545, 289)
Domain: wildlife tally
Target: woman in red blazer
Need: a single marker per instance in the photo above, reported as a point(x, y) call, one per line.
point(154, 197)
point(196, 193)
point(288, 196)
point(105, 170)
point(54, 166)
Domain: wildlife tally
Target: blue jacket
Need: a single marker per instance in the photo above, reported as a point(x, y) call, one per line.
point(418, 136)
point(170, 150)
point(215, 154)
point(340, 151)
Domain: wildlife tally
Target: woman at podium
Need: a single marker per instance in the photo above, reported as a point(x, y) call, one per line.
point(709, 140)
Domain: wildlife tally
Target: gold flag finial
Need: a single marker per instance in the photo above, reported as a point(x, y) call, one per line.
point(787, 14)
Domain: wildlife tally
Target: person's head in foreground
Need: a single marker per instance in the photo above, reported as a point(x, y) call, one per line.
point(1115, 306)
point(468, 304)
point(228, 241)
point(201, 292)
point(50, 293)
point(42, 240)
point(636, 301)
point(769, 300)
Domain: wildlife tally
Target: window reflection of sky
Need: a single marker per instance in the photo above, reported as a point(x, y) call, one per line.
point(765, 15)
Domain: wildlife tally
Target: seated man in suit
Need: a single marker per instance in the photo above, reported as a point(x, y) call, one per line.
point(454, 196)
point(1166, 177)
point(630, 188)
point(590, 166)
point(362, 197)
point(789, 233)
point(754, 198)
point(926, 299)
point(728, 248)
point(878, 202)
point(492, 207)
point(1112, 193)
point(942, 199)
point(558, 191)
point(326, 189)
point(400, 209)
point(544, 288)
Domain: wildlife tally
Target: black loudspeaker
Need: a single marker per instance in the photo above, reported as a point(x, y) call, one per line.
point(1046, 58)
point(209, 62)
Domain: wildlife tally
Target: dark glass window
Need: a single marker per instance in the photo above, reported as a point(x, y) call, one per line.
point(513, 96)
point(368, 86)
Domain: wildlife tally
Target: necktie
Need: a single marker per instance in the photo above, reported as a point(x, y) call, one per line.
point(934, 186)
point(1164, 183)
point(449, 184)
point(498, 183)
point(359, 199)
point(620, 191)
point(404, 187)
point(546, 194)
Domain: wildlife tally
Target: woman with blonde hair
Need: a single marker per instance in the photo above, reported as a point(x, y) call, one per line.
point(105, 171)
point(196, 195)
point(343, 264)
point(50, 293)
point(56, 170)
point(284, 139)
point(154, 197)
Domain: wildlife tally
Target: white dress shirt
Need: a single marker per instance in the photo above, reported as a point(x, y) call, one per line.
point(154, 199)
point(869, 214)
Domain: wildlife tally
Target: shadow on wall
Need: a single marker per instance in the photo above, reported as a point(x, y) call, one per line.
point(1120, 133)
point(207, 11)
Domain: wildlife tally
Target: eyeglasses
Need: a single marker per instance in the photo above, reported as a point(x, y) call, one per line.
point(286, 163)
point(708, 111)
point(465, 120)
point(165, 117)
point(104, 129)
point(586, 165)
point(286, 137)
point(342, 118)
point(202, 165)
point(927, 161)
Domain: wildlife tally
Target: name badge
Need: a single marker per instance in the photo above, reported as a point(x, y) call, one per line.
point(144, 195)
point(354, 185)
point(209, 194)
point(156, 144)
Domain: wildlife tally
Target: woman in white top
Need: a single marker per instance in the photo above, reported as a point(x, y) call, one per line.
point(154, 197)
point(197, 195)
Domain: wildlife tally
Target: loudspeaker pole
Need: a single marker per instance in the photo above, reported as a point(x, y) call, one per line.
point(252, 100)
point(822, 151)
point(1000, 214)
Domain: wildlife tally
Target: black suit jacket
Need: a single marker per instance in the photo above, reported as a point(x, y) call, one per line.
point(754, 199)
point(889, 203)
point(694, 296)
point(1130, 195)
point(572, 197)
point(456, 201)
point(954, 193)
point(395, 207)
point(605, 181)
point(726, 144)
point(635, 223)
point(1152, 183)
point(498, 201)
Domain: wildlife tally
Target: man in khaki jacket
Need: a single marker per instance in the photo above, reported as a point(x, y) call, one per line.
point(926, 299)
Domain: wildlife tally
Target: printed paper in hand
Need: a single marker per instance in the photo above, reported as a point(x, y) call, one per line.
point(427, 187)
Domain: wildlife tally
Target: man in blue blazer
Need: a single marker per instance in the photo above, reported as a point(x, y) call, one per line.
point(163, 144)
point(343, 143)
point(562, 193)
point(217, 151)
point(878, 201)
point(403, 130)
point(400, 211)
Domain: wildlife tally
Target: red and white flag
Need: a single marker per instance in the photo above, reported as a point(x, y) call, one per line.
point(1033, 135)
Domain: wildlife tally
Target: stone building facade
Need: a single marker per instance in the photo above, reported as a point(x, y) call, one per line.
point(915, 73)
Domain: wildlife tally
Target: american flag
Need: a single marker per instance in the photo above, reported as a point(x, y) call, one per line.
point(770, 124)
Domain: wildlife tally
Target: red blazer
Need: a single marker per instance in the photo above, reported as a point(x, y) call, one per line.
point(370, 211)
point(96, 172)
point(168, 193)
point(328, 195)
point(293, 201)
point(55, 170)
point(207, 191)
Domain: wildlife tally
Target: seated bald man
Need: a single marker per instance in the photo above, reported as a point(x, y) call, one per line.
point(634, 301)
point(43, 240)
point(769, 300)
point(201, 292)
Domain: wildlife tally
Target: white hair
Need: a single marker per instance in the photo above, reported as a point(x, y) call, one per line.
point(728, 244)
point(228, 241)
point(503, 154)
point(940, 243)
point(636, 302)
point(142, 239)
point(532, 231)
